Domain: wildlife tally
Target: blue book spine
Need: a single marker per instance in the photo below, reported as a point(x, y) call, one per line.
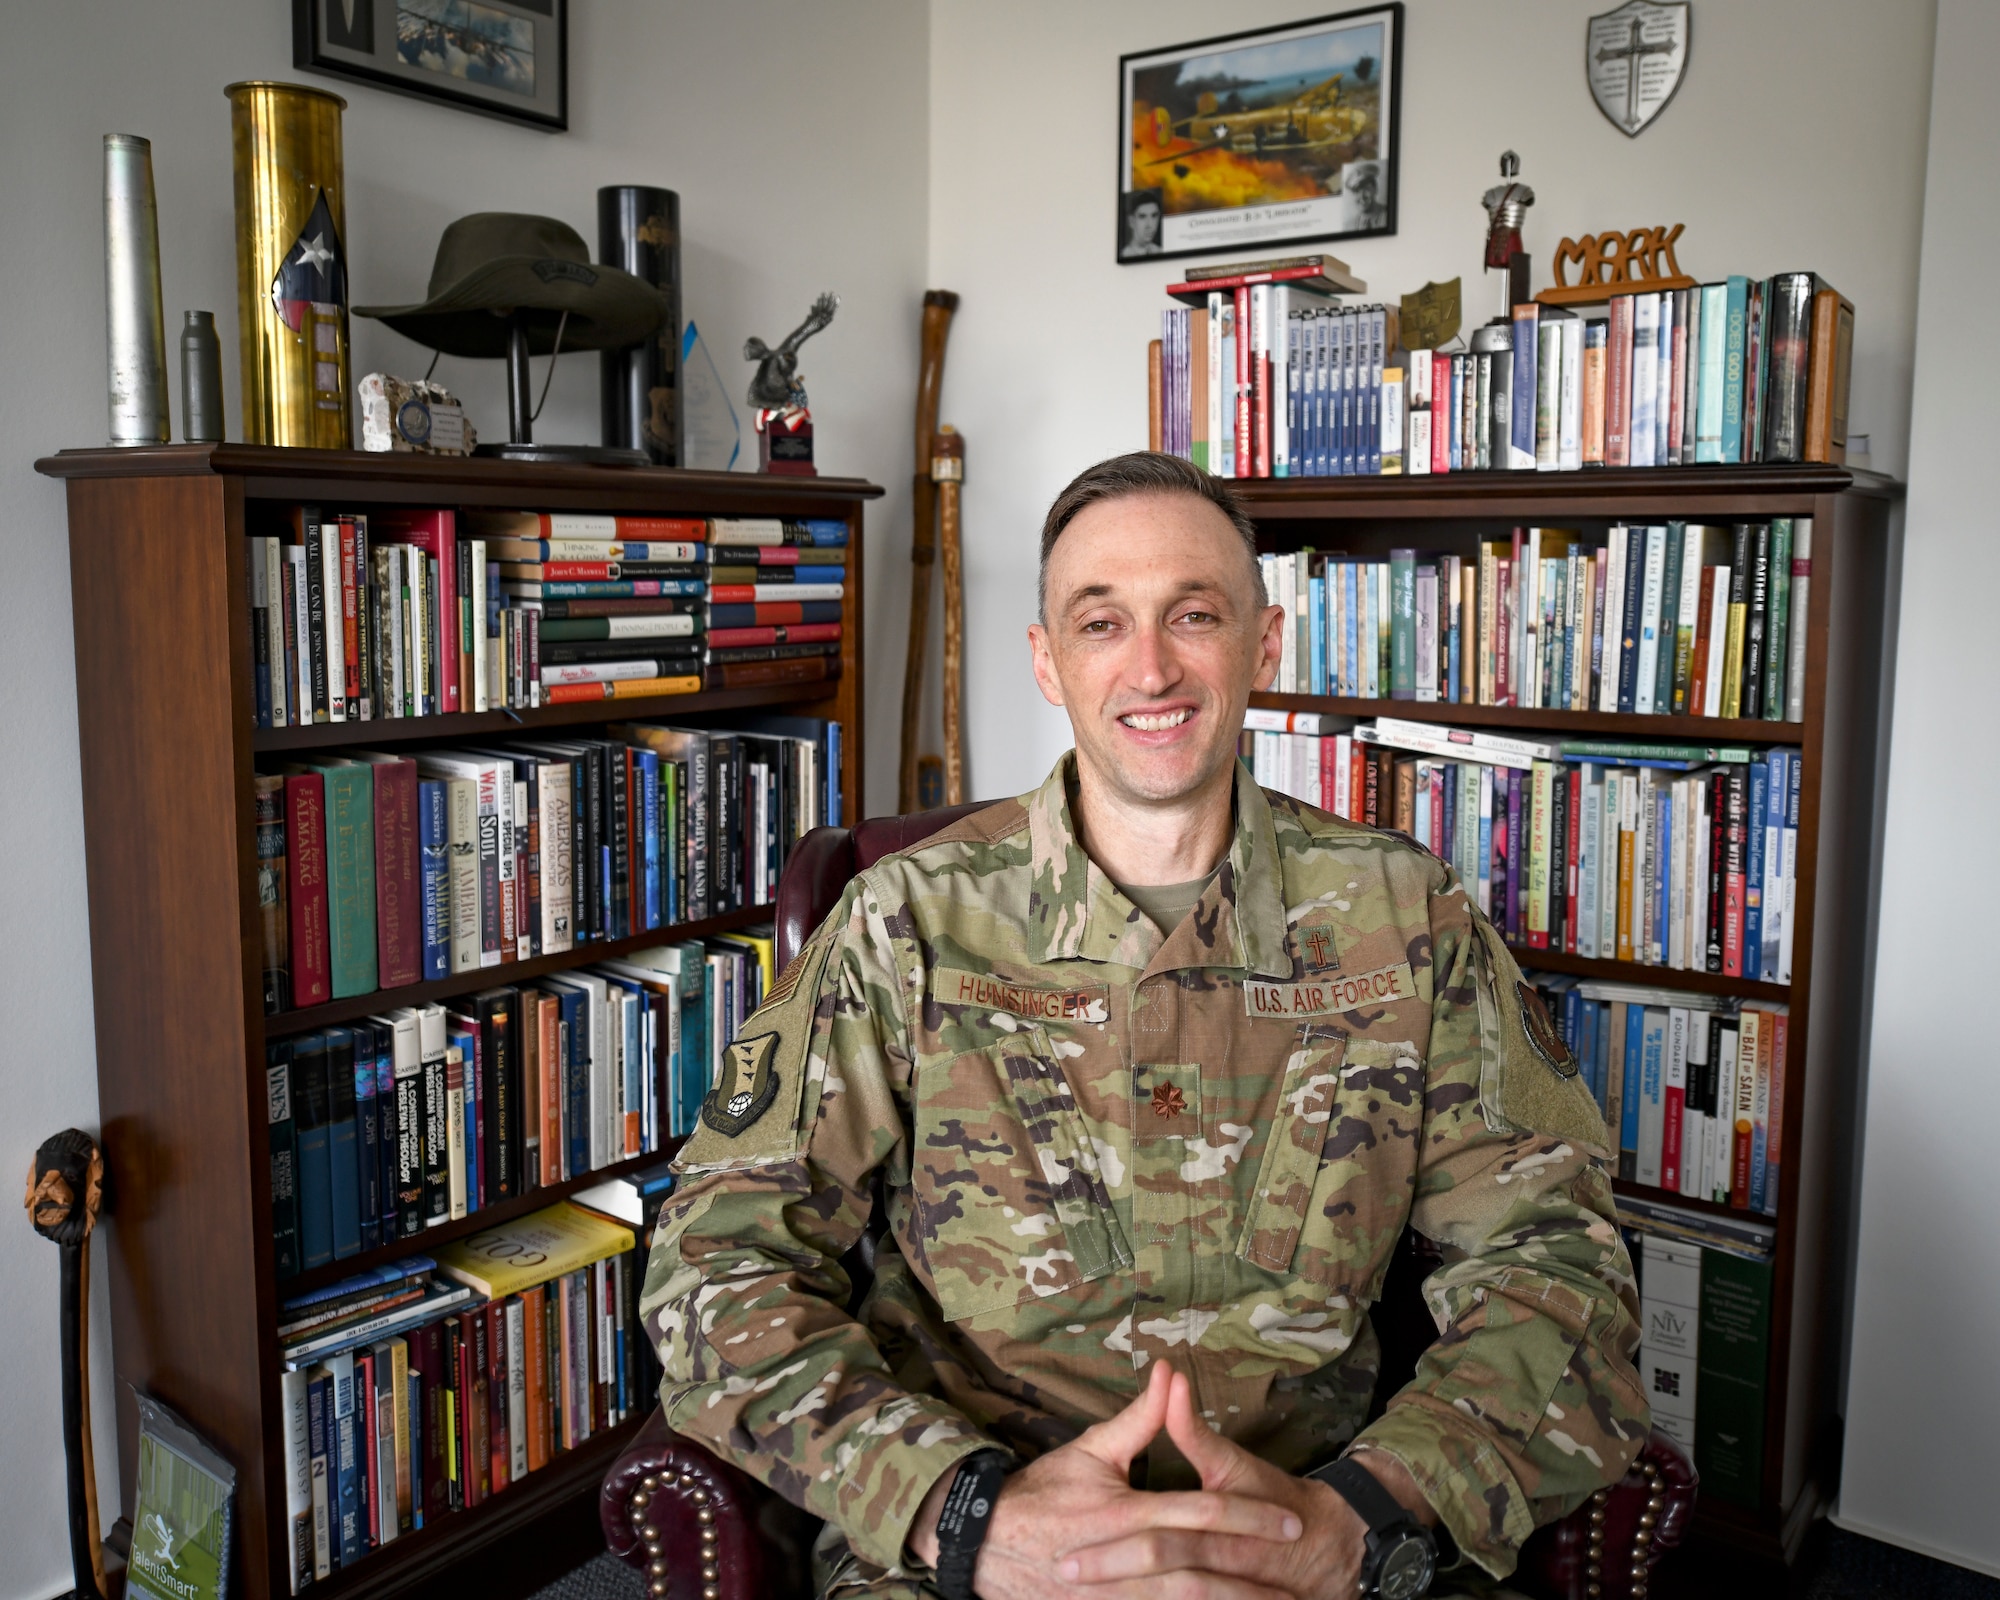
point(343, 1142)
point(1378, 324)
point(1777, 808)
point(1635, 1053)
point(1348, 345)
point(1585, 1046)
point(416, 1383)
point(694, 1038)
point(381, 1050)
point(1753, 869)
point(1454, 637)
point(1521, 415)
point(1350, 578)
point(1316, 606)
point(1455, 451)
point(1735, 352)
point(649, 812)
point(1759, 1159)
point(347, 1460)
point(467, 1040)
point(834, 818)
point(315, 1174)
point(367, 1138)
point(823, 531)
point(1628, 654)
point(623, 588)
point(434, 863)
point(576, 1083)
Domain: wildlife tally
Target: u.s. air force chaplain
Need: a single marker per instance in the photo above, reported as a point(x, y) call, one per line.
point(1147, 1071)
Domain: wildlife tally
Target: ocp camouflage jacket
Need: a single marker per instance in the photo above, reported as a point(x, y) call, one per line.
point(1097, 1146)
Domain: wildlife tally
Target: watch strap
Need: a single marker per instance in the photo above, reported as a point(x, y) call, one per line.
point(1360, 1488)
point(963, 1520)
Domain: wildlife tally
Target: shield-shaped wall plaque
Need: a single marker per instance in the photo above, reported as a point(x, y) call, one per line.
point(1635, 58)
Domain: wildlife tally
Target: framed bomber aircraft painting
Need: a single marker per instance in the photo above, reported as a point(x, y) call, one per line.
point(1276, 136)
point(506, 58)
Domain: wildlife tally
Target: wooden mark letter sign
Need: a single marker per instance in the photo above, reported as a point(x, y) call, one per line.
point(1639, 262)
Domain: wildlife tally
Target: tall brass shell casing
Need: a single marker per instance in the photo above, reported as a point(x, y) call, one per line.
point(291, 265)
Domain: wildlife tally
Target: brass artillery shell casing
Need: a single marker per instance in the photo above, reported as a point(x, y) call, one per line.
point(135, 328)
point(291, 264)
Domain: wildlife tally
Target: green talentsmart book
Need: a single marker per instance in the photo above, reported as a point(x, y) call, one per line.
point(350, 875)
point(1734, 1351)
point(185, 1512)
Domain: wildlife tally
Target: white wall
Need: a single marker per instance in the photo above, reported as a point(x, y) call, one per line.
point(796, 137)
point(1923, 1417)
point(1796, 141)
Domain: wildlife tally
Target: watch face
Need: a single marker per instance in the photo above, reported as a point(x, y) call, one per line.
point(1407, 1568)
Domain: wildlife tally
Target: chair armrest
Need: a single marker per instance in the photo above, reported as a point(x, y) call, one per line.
point(697, 1527)
point(1607, 1547)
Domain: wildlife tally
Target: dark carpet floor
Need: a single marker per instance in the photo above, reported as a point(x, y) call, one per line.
point(1835, 1565)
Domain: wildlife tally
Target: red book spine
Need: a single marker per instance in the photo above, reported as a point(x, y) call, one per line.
point(1441, 413)
point(772, 613)
point(496, 1395)
point(769, 555)
point(1732, 880)
point(722, 594)
point(427, 1361)
point(1741, 1139)
point(1437, 810)
point(1329, 772)
point(1357, 781)
point(1779, 1024)
point(399, 907)
point(577, 571)
point(436, 534)
point(1503, 634)
point(479, 1453)
point(797, 633)
point(1673, 1110)
point(1618, 384)
point(1676, 421)
point(1572, 872)
point(371, 1453)
point(641, 529)
point(350, 619)
point(1245, 449)
point(305, 864)
point(1205, 286)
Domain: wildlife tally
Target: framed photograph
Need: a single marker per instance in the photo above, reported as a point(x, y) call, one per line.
point(507, 58)
point(1277, 136)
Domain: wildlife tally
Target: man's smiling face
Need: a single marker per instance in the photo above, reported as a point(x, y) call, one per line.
point(1156, 634)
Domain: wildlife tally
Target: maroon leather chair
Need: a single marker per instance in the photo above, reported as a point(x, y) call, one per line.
point(698, 1527)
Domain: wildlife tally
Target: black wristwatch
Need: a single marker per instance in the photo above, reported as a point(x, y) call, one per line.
point(1400, 1557)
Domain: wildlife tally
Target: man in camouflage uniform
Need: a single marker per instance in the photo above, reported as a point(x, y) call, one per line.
point(1106, 1145)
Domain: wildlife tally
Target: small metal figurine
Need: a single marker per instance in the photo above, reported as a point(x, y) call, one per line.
point(1506, 206)
point(783, 420)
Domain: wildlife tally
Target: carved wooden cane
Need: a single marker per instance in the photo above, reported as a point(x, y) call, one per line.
point(65, 1193)
point(948, 472)
point(938, 307)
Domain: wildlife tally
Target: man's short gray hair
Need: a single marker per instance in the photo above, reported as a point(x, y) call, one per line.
point(1143, 472)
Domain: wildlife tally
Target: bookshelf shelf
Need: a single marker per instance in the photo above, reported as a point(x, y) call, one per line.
point(1559, 724)
point(487, 1216)
point(1652, 977)
point(1839, 744)
point(165, 714)
point(283, 1024)
point(479, 724)
point(1647, 1191)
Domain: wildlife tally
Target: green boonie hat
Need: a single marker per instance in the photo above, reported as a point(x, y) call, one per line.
point(494, 263)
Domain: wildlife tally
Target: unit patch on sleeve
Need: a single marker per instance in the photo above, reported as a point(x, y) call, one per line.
point(748, 1087)
point(1541, 1031)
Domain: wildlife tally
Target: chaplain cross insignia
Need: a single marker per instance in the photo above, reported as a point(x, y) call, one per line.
point(1315, 940)
point(1168, 1101)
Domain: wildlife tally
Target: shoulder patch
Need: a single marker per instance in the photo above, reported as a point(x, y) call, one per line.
point(757, 1111)
point(1529, 1081)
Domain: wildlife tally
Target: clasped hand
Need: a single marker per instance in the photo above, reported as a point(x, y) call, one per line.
point(1069, 1526)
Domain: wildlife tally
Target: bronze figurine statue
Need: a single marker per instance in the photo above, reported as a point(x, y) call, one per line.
point(776, 383)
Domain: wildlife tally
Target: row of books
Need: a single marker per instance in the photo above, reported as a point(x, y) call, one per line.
point(360, 617)
point(1692, 1085)
point(388, 1127)
point(1679, 856)
point(1258, 374)
point(377, 870)
point(1671, 619)
point(426, 1387)
point(1705, 1337)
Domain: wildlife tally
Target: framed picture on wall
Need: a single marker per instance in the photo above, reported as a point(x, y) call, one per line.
point(507, 58)
point(1276, 136)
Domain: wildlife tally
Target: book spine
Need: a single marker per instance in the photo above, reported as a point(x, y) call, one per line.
point(350, 853)
point(1673, 1099)
point(1798, 607)
point(283, 1143)
point(306, 892)
point(1755, 621)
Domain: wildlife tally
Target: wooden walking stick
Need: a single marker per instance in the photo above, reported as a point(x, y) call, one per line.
point(65, 1190)
point(938, 307)
point(948, 472)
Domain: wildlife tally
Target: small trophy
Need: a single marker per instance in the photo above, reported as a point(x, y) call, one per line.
point(782, 417)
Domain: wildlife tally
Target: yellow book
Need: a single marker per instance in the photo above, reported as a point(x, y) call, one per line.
point(533, 1249)
point(764, 946)
point(1732, 660)
point(1626, 842)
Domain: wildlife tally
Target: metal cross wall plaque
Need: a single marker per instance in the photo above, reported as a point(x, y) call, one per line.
point(1635, 58)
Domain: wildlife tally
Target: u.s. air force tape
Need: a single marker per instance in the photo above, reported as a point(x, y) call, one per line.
point(1330, 993)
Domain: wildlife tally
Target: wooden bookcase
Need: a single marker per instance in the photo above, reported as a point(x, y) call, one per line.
point(166, 729)
point(1837, 834)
